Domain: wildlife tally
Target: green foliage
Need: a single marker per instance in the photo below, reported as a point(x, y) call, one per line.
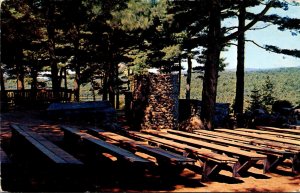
point(286, 84)
point(267, 94)
point(136, 16)
point(147, 26)
point(255, 100)
point(171, 52)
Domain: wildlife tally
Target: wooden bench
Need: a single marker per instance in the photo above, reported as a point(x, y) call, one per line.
point(119, 153)
point(274, 156)
point(250, 140)
point(162, 156)
point(3, 157)
point(6, 169)
point(289, 131)
point(4, 162)
point(96, 111)
point(213, 163)
point(261, 136)
point(245, 159)
point(271, 133)
point(45, 147)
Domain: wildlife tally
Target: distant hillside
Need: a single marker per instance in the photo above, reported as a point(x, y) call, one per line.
point(286, 82)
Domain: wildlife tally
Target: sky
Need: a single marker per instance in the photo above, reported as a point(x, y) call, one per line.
point(259, 58)
point(256, 57)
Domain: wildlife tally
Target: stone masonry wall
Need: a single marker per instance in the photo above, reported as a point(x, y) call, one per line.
point(155, 101)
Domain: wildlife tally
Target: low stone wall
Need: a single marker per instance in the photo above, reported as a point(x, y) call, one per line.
point(154, 102)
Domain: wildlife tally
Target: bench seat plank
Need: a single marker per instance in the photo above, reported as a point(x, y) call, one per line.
point(246, 159)
point(141, 146)
point(272, 133)
point(203, 144)
point(290, 131)
point(52, 147)
point(274, 158)
point(230, 143)
point(52, 151)
point(51, 155)
point(205, 153)
point(113, 149)
point(249, 140)
point(261, 136)
point(212, 162)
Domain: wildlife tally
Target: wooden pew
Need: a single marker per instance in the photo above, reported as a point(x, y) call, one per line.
point(274, 157)
point(245, 159)
point(49, 150)
point(121, 154)
point(272, 133)
point(260, 136)
point(290, 131)
point(250, 140)
point(6, 169)
point(213, 163)
point(3, 158)
point(162, 156)
point(39, 156)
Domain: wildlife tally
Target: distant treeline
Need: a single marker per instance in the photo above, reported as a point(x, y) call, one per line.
point(286, 85)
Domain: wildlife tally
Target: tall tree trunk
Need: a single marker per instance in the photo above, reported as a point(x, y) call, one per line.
point(4, 101)
point(60, 75)
point(189, 76)
point(19, 97)
point(20, 71)
point(105, 87)
point(77, 84)
point(65, 78)
point(117, 84)
point(210, 80)
point(111, 90)
point(20, 81)
point(117, 97)
point(112, 74)
point(179, 75)
point(239, 97)
point(65, 84)
point(51, 47)
point(34, 75)
point(77, 80)
point(77, 63)
point(93, 89)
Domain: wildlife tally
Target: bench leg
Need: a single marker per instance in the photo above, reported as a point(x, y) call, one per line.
point(296, 163)
point(210, 169)
point(242, 166)
point(272, 162)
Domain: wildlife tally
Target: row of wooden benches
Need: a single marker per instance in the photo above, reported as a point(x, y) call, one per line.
point(272, 157)
point(212, 162)
point(23, 136)
point(211, 152)
point(275, 156)
point(280, 130)
point(211, 155)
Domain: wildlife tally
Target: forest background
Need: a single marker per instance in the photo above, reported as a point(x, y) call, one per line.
point(286, 83)
point(92, 38)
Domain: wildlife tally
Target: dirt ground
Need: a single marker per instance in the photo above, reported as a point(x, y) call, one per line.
point(115, 178)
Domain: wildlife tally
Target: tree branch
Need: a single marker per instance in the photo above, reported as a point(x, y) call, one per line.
point(294, 53)
point(249, 25)
point(258, 28)
point(256, 44)
point(232, 44)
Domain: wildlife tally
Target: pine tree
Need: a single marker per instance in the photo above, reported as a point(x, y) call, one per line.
point(267, 94)
point(255, 99)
